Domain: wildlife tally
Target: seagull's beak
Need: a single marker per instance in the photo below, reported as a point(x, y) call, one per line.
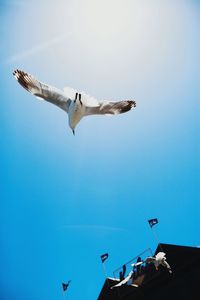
point(73, 131)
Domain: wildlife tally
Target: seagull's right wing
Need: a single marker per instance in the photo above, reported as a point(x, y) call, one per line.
point(111, 108)
point(42, 90)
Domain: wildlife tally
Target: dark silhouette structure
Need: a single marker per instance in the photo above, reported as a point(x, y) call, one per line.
point(183, 283)
point(122, 273)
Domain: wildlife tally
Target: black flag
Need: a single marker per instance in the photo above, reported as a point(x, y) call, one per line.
point(153, 222)
point(65, 285)
point(104, 257)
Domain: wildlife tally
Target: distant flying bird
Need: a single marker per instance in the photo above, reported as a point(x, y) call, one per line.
point(77, 105)
point(158, 260)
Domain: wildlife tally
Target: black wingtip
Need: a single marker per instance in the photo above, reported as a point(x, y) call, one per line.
point(21, 77)
point(132, 103)
point(128, 105)
point(15, 72)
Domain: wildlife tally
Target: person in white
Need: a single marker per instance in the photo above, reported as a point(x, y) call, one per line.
point(159, 259)
point(128, 280)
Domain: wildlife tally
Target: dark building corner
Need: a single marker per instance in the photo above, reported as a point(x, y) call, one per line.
point(183, 283)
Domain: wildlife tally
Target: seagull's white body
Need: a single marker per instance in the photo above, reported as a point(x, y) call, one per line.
point(77, 105)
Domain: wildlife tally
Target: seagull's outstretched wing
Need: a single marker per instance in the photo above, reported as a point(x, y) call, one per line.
point(42, 90)
point(111, 108)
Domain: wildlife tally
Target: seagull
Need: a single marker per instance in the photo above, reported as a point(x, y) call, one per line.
point(76, 104)
point(158, 260)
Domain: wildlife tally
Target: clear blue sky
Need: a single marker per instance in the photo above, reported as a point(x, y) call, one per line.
point(65, 200)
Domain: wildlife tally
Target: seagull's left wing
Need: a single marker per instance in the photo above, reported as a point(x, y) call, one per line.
point(111, 108)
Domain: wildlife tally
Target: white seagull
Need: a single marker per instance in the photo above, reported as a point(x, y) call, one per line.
point(77, 105)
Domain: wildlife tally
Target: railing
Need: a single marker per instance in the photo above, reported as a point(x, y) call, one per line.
point(123, 270)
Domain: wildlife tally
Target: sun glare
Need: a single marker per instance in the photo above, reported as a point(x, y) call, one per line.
point(105, 19)
point(102, 22)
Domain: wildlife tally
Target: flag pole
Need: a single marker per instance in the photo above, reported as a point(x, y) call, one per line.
point(155, 235)
point(156, 239)
point(105, 273)
point(103, 259)
point(63, 294)
point(104, 269)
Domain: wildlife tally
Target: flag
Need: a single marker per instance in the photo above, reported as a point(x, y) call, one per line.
point(65, 285)
point(104, 257)
point(153, 222)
